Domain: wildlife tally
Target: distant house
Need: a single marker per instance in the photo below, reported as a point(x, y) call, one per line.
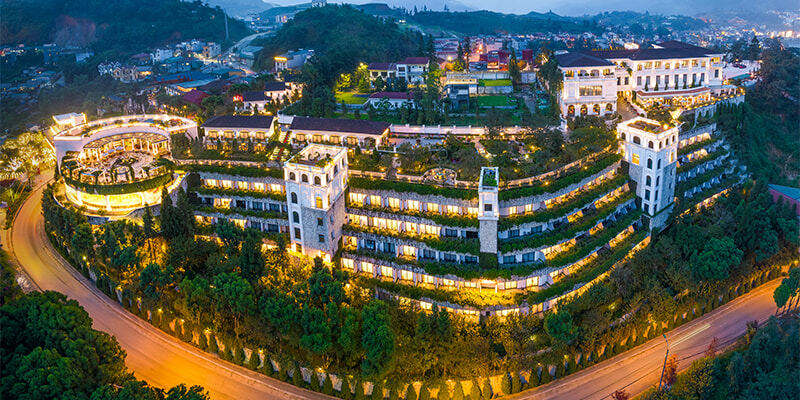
point(292, 60)
point(789, 195)
point(195, 96)
point(258, 99)
point(211, 50)
point(392, 99)
point(342, 132)
point(385, 71)
point(412, 69)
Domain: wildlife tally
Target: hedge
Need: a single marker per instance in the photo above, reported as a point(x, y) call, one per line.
point(241, 170)
point(702, 160)
point(423, 189)
point(564, 208)
point(459, 245)
point(121, 188)
point(696, 146)
point(562, 182)
point(209, 191)
point(241, 211)
point(567, 231)
point(452, 220)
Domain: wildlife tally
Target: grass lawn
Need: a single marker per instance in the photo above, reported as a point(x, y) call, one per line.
point(351, 97)
point(494, 101)
point(494, 82)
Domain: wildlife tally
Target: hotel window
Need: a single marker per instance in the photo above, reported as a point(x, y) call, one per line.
point(487, 207)
point(626, 80)
point(322, 238)
point(647, 194)
point(716, 73)
point(635, 159)
point(316, 138)
point(509, 259)
point(412, 205)
point(410, 227)
point(297, 233)
point(648, 181)
point(694, 63)
point(334, 139)
point(449, 257)
point(666, 66)
point(638, 81)
point(304, 178)
point(432, 207)
point(317, 181)
point(295, 217)
point(657, 64)
point(472, 210)
point(590, 90)
point(388, 247)
point(649, 163)
point(648, 65)
point(320, 222)
point(666, 79)
point(375, 201)
point(227, 184)
point(453, 210)
point(258, 186)
point(241, 185)
point(512, 210)
point(394, 202)
point(702, 77)
point(211, 182)
point(366, 267)
point(357, 198)
point(386, 271)
point(318, 202)
point(529, 256)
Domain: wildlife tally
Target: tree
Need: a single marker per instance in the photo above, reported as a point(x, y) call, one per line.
point(377, 338)
point(411, 393)
point(444, 391)
point(233, 298)
point(716, 260)
point(251, 259)
point(458, 391)
point(560, 327)
point(148, 229)
point(513, 68)
point(486, 392)
point(82, 241)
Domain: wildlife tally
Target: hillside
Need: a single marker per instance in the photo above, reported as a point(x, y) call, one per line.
point(487, 22)
point(241, 8)
point(342, 34)
point(121, 26)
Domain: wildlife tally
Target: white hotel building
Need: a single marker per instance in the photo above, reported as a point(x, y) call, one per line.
point(672, 71)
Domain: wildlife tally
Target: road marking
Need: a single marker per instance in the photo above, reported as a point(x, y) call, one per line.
point(694, 333)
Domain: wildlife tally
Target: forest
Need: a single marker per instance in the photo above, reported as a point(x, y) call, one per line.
point(55, 353)
point(116, 28)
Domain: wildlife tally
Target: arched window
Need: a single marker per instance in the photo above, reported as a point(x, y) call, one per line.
point(596, 109)
point(650, 144)
point(658, 180)
point(296, 216)
point(335, 169)
point(609, 107)
point(317, 181)
point(658, 164)
point(294, 198)
point(648, 181)
point(637, 140)
point(292, 176)
point(304, 178)
point(650, 163)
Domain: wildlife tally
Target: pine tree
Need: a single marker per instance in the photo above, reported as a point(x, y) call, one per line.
point(266, 367)
point(411, 393)
point(314, 384)
point(202, 342)
point(327, 386)
point(424, 393)
point(546, 377)
point(505, 384)
point(475, 390)
point(346, 391)
point(458, 391)
point(213, 347)
point(487, 390)
point(377, 391)
point(444, 391)
point(297, 376)
point(360, 391)
point(516, 383)
point(254, 360)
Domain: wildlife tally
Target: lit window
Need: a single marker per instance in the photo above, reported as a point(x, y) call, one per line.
point(635, 159)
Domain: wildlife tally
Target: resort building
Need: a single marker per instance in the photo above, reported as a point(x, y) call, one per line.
point(257, 100)
point(292, 60)
point(671, 72)
point(650, 149)
point(316, 179)
point(340, 132)
point(225, 131)
point(118, 164)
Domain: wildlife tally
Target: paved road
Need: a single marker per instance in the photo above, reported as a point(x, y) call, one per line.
point(165, 361)
point(153, 355)
point(639, 369)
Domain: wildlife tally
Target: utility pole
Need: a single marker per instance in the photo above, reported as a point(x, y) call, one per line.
point(665, 363)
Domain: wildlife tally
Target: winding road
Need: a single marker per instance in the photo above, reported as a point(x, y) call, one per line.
point(165, 361)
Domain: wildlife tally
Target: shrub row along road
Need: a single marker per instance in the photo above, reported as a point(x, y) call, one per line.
point(165, 361)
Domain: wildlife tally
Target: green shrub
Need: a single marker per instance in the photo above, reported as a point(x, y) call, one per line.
point(572, 177)
point(424, 393)
point(297, 376)
point(212, 344)
point(423, 189)
point(253, 361)
point(266, 368)
point(360, 391)
point(546, 377)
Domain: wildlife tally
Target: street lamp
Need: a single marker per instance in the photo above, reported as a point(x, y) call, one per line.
point(665, 362)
